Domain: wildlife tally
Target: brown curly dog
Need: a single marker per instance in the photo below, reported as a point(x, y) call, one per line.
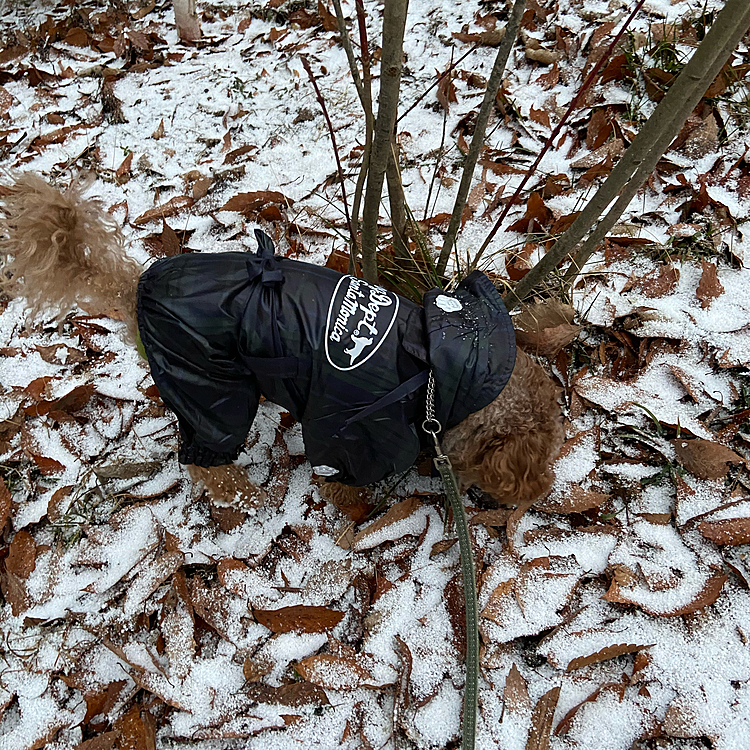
point(58, 250)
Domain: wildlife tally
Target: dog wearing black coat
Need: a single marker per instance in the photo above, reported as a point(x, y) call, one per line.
point(349, 360)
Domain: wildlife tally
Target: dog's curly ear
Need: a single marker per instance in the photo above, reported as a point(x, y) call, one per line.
point(515, 469)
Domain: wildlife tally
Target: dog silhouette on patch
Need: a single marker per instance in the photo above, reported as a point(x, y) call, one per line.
point(360, 342)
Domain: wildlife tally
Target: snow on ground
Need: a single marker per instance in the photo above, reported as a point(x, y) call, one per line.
point(138, 613)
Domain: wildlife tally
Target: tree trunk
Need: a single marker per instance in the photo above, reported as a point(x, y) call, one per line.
point(186, 18)
point(394, 22)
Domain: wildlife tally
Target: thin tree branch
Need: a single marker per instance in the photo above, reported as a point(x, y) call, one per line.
point(369, 121)
point(347, 45)
point(477, 141)
point(576, 99)
point(648, 147)
point(394, 22)
point(321, 101)
point(436, 82)
point(397, 200)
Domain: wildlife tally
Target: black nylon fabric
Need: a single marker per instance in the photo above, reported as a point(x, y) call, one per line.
point(472, 347)
point(219, 330)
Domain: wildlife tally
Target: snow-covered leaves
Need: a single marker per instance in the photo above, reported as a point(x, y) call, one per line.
point(141, 609)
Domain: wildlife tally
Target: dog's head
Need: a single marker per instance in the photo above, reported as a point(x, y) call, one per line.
point(507, 448)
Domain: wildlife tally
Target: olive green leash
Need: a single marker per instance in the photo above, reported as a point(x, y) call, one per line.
point(432, 427)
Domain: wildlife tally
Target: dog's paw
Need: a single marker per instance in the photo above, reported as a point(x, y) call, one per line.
point(354, 502)
point(228, 486)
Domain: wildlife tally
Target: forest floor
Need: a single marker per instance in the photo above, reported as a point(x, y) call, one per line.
point(615, 614)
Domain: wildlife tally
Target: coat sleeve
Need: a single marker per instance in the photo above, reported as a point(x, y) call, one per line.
point(190, 340)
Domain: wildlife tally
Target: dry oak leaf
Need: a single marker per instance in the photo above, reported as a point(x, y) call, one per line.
point(540, 116)
point(446, 92)
point(707, 596)
point(576, 500)
point(136, 729)
point(170, 208)
point(298, 618)
point(612, 149)
point(367, 538)
point(71, 402)
point(709, 287)
point(537, 216)
point(295, 694)
point(608, 652)
point(516, 694)
point(250, 203)
point(105, 741)
point(658, 283)
point(491, 38)
point(731, 531)
point(334, 672)
point(541, 720)
point(543, 56)
point(5, 504)
point(704, 458)
point(21, 559)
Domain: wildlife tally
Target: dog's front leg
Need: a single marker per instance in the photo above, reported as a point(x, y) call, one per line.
point(355, 502)
point(228, 486)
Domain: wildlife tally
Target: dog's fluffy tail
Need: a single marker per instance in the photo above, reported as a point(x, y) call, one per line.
point(59, 250)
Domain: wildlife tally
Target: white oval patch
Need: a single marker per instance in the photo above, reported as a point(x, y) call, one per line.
point(448, 304)
point(360, 317)
point(325, 471)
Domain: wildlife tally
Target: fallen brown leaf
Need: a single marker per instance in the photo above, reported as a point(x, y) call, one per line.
point(333, 672)
point(251, 203)
point(707, 596)
point(537, 216)
point(704, 458)
point(170, 208)
point(576, 500)
point(490, 38)
point(709, 287)
point(608, 652)
point(540, 116)
point(298, 618)
point(543, 56)
point(731, 531)
point(541, 720)
point(397, 512)
point(21, 559)
point(658, 283)
point(5, 504)
point(71, 402)
point(516, 694)
point(446, 92)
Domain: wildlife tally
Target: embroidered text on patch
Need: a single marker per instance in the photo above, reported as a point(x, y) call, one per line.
point(359, 318)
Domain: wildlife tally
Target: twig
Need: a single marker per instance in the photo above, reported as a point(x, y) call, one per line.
point(436, 82)
point(576, 99)
point(477, 141)
point(347, 45)
point(369, 118)
point(308, 70)
point(440, 150)
point(648, 147)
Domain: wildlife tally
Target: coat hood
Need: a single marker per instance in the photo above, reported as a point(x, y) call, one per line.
point(471, 347)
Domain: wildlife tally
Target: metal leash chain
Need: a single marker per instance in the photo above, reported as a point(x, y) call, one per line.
point(432, 427)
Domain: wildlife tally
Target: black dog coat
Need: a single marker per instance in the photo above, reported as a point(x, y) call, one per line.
point(347, 359)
